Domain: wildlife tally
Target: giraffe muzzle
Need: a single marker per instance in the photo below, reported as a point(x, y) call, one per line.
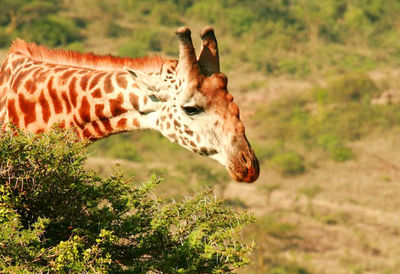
point(245, 167)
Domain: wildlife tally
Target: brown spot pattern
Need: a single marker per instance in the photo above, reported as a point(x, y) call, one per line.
point(84, 110)
point(136, 122)
point(12, 112)
point(107, 125)
point(84, 81)
point(45, 107)
point(54, 98)
point(99, 111)
point(183, 142)
point(96, 93)
point(108, 87)
point(59, 69)
point(28, 108)
point(30, 86)
point(177, 124)
point(134, 99)
point(122, 123)
point(79, 124)
point(19, 78)
point(2, 76)
point(97, 128)
point(65, 76)
point(3, 100)
point(39, 76)
point(121, 81)
point(86, 133)
point(96, 79)
point(65, 98)
point(116, 105)
point(73, 95)
point(7, 74)
point(172, 136)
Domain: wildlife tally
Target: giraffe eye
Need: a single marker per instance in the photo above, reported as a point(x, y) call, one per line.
point(154, 98)
point(193, 110)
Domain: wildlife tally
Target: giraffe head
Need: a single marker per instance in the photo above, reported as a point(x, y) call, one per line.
point(192, 106)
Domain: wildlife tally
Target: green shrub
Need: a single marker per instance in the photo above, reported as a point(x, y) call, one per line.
point(203, 174)
point(275, 234)
point(51, 30)
point(289, 163)
point(208, 10)
point(141, 43)
point(335, 147)
point(125, 151)
point(39, 21)
point(241, 19)
point(276, 228)
point(57, 217)
point(352, 88)
point(296, 66)
point(76, 46)
point(114, 30)
point(265, 151)
point(5, 39)
point(119, 146)
point(310, 192)
point(286, 161)
point(162, 11)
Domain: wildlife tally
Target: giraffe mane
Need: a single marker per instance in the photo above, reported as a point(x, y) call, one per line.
point(87, 60)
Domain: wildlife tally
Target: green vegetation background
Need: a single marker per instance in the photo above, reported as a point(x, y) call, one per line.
point(300, 37)
point(333, 45)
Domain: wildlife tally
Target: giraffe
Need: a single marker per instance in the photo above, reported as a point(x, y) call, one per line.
point(186, 100)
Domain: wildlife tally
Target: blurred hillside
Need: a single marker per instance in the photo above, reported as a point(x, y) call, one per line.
point(318, 87)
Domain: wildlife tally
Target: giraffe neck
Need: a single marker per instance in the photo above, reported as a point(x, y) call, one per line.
point(95, 103)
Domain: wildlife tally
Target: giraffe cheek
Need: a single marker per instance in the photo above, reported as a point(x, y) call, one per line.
point(172, 137)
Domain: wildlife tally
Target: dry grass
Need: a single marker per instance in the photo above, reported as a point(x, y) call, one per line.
point(354, 225)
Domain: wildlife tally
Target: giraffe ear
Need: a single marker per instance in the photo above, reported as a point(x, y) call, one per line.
point(209, 57)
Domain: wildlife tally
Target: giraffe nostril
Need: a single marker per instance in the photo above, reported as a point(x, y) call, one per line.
point(245, 167)
point(244, 159)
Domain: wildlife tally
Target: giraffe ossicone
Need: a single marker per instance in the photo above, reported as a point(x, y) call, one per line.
point(186, 100)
